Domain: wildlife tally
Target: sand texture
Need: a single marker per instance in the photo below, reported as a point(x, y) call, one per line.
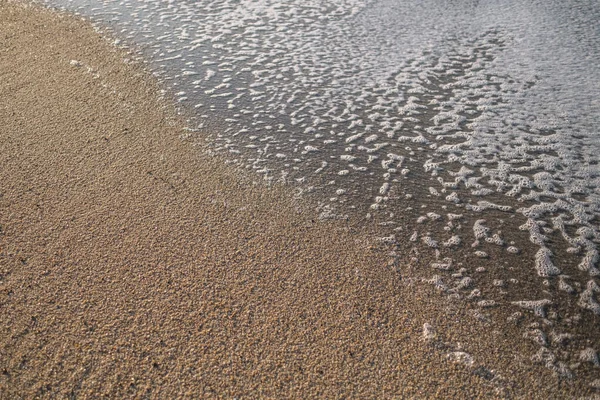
point(134, 266)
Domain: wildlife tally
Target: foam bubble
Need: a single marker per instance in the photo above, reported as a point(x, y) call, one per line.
point(589, 355)
point(587, 298)
point(537, 306)
point(543, 263)
point(461, 357)
point(428, 332)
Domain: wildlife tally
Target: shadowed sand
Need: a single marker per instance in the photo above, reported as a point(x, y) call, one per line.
point(132, 265)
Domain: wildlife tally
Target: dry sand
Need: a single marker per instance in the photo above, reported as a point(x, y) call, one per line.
point(132, 265)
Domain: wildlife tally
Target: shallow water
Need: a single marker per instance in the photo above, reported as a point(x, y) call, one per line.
point(467, 129)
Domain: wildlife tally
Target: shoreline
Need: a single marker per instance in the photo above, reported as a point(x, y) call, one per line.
point(134, 266)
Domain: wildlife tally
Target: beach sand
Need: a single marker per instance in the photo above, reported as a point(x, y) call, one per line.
point(133, 265)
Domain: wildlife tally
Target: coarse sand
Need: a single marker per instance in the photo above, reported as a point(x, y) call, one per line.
point(133, 265)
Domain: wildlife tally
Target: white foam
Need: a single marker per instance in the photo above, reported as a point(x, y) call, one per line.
point(452, 242)
point(512, 249)
point(428, 332)
point(537, 306)
point(589, 355)
point(481, 254)
point(548, 359)
point(587, 298)
point(461, 357)
point(537, 336)
point(486, 303)
point(543, 263)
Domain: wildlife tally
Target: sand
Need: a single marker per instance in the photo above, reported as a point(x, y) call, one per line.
point(133, 265)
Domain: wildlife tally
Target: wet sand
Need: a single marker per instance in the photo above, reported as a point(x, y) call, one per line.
point(134, 265)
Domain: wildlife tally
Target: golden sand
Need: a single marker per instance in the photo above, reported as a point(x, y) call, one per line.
point(134, 266)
